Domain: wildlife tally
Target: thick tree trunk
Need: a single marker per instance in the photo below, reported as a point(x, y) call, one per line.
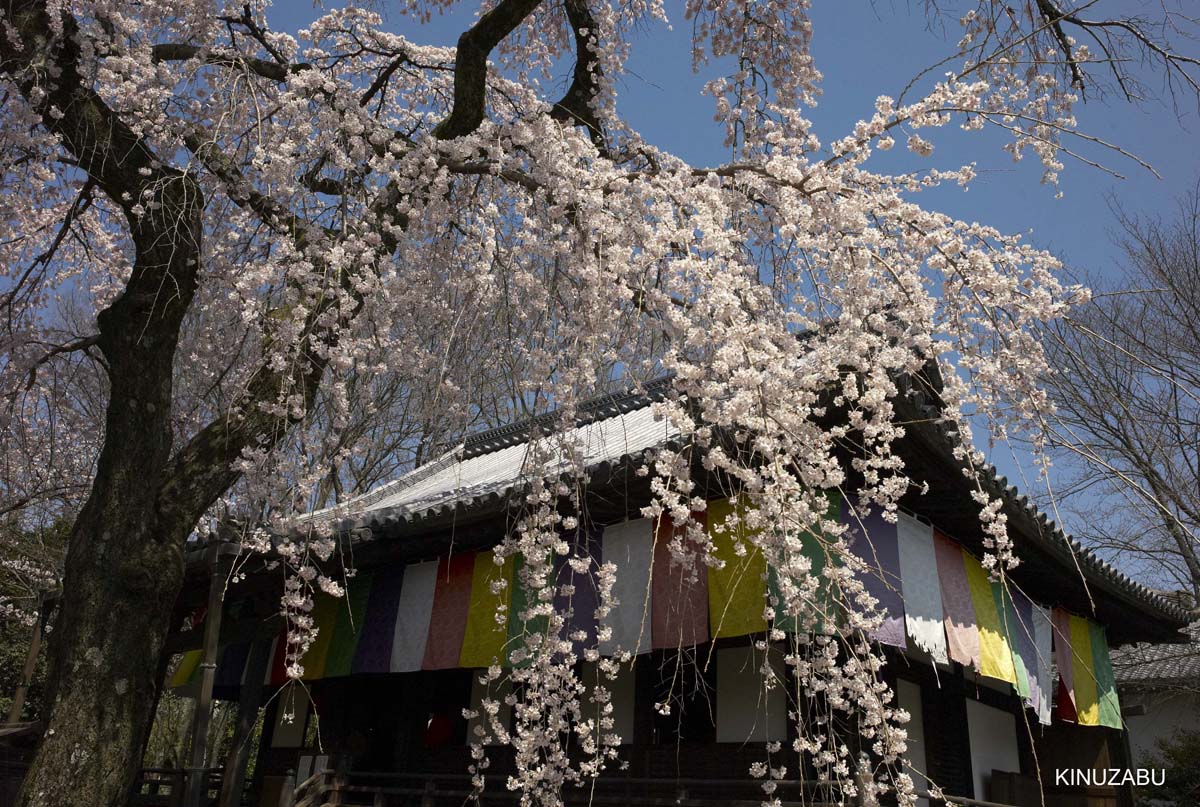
point(124, 565)
point(124, 561)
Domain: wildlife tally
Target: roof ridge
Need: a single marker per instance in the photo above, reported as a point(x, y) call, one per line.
point(592, 410)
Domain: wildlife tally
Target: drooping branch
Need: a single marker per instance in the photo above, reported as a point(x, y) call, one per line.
point(240, 189)
point(470, 65)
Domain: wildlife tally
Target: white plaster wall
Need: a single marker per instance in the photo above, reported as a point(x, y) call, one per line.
point(745, 712)
point(993, 735)
point(1165, 714)
point(622, 693)
point(908, 696)
point(479, 691)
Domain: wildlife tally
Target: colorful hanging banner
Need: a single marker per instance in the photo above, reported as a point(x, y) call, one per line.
point(523, 619)
point(324, 617)
point(1022, 637)
point(679, 588)
point(351, 616)
point(413, 616)
point(1009, 628)
point(451, 602)
point(962, 634)
point(1043, 642)
point(995, 656)
point(874, 541)
point(188, 665)
point(1106, 683)
point(822, 612)
point(576, 593)
point(1083, 673)
point(374, 651)
point(737, 592)
point(443, 614)
point(923, 615)
point(484, 638)
point(1065, 705)
point(629, 546)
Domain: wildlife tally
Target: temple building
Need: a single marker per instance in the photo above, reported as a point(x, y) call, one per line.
point(1004, 685)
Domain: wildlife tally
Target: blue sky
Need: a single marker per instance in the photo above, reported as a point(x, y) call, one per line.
point(869, 49)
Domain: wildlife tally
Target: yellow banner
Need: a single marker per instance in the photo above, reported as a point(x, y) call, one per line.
point(483, 641)
point(324, 614)
point(1083, 673)
point(737, 592)
point(995, 655)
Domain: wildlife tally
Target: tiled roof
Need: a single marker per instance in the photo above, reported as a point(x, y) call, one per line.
point(1053, 537)
point(1160, 664)
point(492, 466)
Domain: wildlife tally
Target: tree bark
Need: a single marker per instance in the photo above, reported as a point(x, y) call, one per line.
point(124, 562)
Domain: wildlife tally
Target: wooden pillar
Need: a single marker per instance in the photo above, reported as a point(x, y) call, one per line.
point(248, 702)
point(219, 555)
point(31, 657)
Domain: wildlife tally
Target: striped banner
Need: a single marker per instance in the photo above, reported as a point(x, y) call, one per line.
point(576, 593)
point(1022, 636)
point(1106, 683)
point(351, 617)
point(413, 616)
point(451, 602)
point(995, 656)
point(523, 618)
point(374, 651)
point(822, 613)
point(188, 665)
point(737, 593)
point(1061, 622)
point(1083, 673)
point(324, 616)
point(467, 611)
point(1009, 628)
point(923, 615)
point(1043, 642)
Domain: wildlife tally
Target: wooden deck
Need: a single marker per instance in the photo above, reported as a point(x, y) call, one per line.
point(369, 789)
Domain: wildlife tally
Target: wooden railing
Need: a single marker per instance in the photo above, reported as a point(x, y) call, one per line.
point(164, 787)
point(377, 789)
